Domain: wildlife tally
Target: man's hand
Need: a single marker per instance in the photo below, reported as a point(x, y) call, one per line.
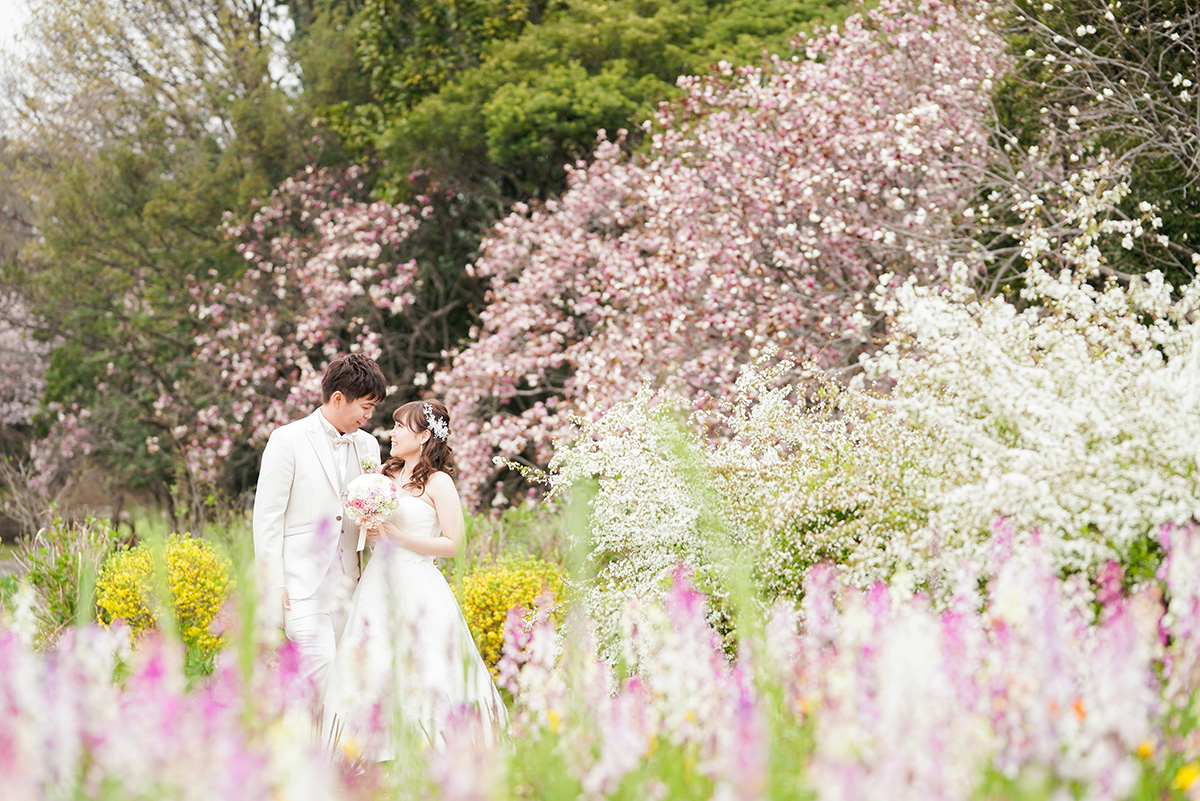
point(273, 608)
point(283, 597)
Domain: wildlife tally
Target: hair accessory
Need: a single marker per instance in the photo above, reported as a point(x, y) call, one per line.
point(436, 425)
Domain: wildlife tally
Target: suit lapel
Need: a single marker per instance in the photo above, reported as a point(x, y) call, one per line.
point(320, 444)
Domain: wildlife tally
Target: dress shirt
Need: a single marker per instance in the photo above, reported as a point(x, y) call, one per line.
point(343, 450)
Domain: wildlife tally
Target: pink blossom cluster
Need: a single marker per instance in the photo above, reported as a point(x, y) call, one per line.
point(23, 362)
point(55, 456)
point(685, 693)
point(922, 701)
point(1181, 665)
point(324, 277)
point(771, 199)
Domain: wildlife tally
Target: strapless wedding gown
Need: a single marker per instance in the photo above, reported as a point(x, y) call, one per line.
point(406, 659)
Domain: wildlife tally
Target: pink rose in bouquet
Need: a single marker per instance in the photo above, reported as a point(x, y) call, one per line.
point(371, 498)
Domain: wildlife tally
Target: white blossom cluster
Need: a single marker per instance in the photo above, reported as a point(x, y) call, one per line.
point(647, 514)
point(792, 472)
point(1073, 412)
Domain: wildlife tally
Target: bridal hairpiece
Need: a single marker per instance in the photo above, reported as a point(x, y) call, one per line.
point(436, 424)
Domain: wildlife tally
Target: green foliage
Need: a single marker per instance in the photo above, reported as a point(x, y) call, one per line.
point(1142, 562)
point(411, 48)
point(192, 577)
point(8, 590)
point(536, 530)
point(497, 114)
point(60, 563)
point(490, 590)
point(131, 226)
point(534, 128)
point(324, 47)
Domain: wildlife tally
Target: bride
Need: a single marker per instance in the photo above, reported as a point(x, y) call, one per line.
point(406, 663)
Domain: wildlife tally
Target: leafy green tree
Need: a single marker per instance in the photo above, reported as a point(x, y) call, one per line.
point(322, 46)
point(497, 115)
point(413, 47)
point(142, 122)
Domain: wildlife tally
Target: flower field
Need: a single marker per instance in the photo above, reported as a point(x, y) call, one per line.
point(1025, 685)
point(833, 433)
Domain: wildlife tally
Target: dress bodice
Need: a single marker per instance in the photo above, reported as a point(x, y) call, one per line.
point(415, 518)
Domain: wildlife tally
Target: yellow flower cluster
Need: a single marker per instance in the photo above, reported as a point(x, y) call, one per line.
point(493, 588)
point(197, 583)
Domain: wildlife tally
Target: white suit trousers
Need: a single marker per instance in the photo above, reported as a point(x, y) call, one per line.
point(315, 624)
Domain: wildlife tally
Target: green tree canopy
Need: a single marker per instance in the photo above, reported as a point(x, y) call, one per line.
point(141, 123)
point(515, 90)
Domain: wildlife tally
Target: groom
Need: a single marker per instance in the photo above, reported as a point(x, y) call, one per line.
point(305, 545)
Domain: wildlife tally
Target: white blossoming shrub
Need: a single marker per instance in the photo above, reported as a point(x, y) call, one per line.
point(1075, 413)
point(798, 471)
point(810, 472)
point(647, 512)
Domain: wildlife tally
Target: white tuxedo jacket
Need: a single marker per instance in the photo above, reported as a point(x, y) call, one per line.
point(301, 528)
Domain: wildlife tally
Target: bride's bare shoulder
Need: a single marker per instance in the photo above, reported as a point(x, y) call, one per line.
point(439, 479)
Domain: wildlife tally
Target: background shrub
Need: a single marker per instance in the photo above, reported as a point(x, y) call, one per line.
point(491, 589)
point(197, 582)
point(537, 530)
point(60, 562)
point(8, 590)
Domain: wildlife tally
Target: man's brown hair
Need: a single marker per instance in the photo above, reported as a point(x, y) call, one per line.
point(355, 376)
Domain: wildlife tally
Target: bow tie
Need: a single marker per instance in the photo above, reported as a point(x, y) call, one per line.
point(344, 439)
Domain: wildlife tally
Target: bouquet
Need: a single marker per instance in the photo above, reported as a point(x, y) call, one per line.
point(370, 498)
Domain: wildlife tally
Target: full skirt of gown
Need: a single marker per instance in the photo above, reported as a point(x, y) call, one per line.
point(406, 666)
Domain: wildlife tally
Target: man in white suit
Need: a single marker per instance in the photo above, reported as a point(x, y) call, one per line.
point(305, 545)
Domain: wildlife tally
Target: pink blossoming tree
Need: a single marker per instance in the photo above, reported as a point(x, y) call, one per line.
point(23, 360)
point(326, 275)
point(771, 199)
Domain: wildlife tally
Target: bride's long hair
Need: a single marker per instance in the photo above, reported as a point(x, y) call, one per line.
point(436, 454)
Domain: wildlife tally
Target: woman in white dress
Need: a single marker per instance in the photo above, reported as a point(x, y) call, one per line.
point(406, 664)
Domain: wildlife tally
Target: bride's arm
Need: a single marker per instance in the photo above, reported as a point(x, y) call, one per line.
point(441, 490)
